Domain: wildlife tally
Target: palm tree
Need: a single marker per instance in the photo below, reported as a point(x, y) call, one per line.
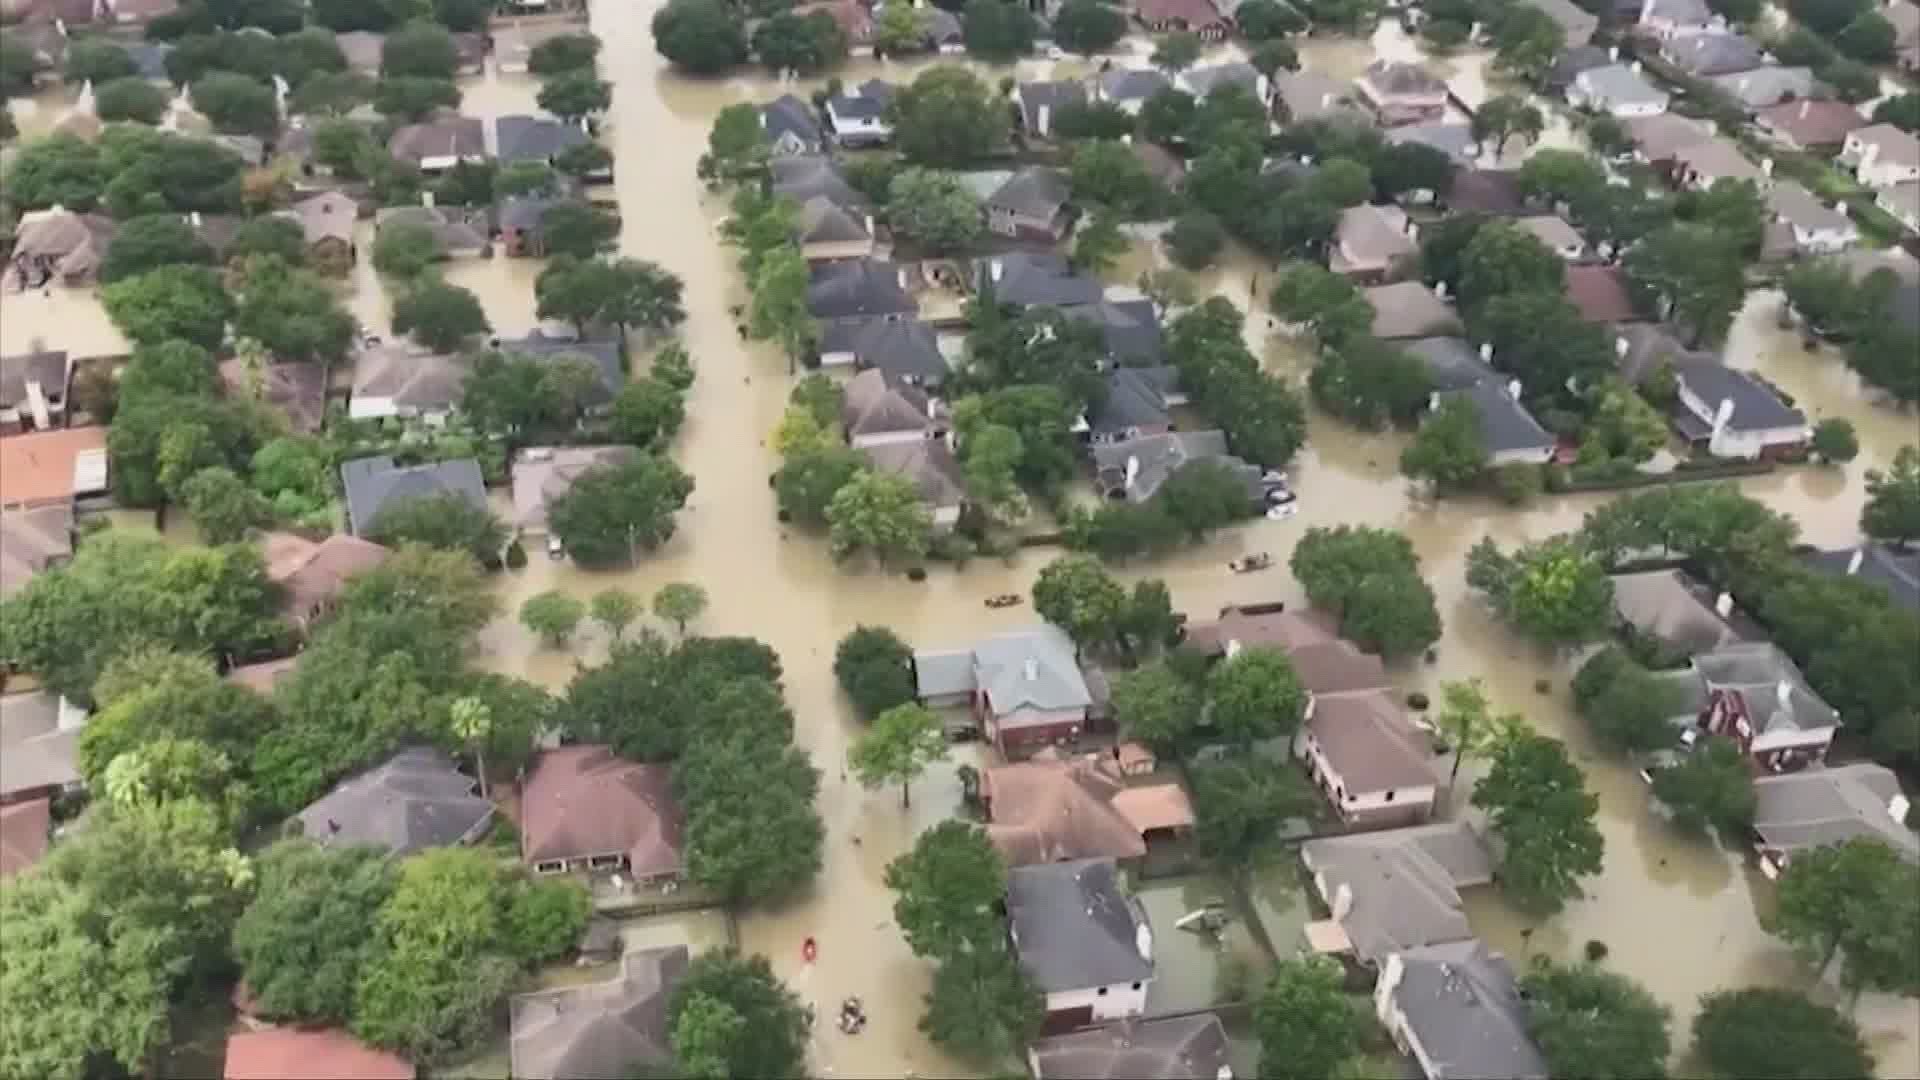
point(1467, 723)
point(472, 722)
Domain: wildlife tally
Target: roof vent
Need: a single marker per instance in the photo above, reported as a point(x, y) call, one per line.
point(1032, 667)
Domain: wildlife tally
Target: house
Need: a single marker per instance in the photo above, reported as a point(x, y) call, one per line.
point(1408, 309)
point(1053, 807)
point(521, 220)
point(1733, 414)
point(1658, 138)
point(1456, 1008)
point(1026, 688)
point(59, 244)
point(1671, 18)
point(1509, 432)
point(26, 830)
point(1494, 192)
point(363, 50)
point(945, 32)
point(396, 379)
point(1324, 662)
point(534, 138)
point(32, 541)
point(1369, 761)
point(1201, 81)
point(613, 1028)
point(513, 43)
point(278, 1053)
point(1818, 229)
point(905, 350)
point(1136, 405)
point(1705, 55)
point(136, 11)
point(1809, 124)
point(600, 353)
point(39, 746)
point(434, 146)
point(1395, 890)
point(1192, 1046)
point(295, 390)
point(853, 17)
point(1454, 140)
point(1082, 940)
point(1756, 696)
point(1640, 349)
point(469, 53)
point(1402, 93)
point(33, 390)
point(1618, 90)
point(1706, 163)
point(1902, 201)
point(1128, 88)
point(52, 468)
point(542, 474)
point(1766, 86)
point(373, 483)
point(878, 410)
point(1668, 607)
point(1558, 236)
point(1129, 330)
point(326, 222)
point(1034, 279)
point(458, 233)
point(263, 677)
point(410, 802)
point(1038, 103)
point(1134, 469)
point(1572, 61)
point(1576, 22)
point(312, 576)
point(1599, 294)
point(1880, 155)
point(1032, 204)
point(828, 231)
point(790, 127)
point(930, 465)
point(1895, 570)
point(1452, 363)
point(844, 296)
point(858, 116)
point(583, 808)
point(1166, 167)
point(1372, 243)
point(1814, 808)
point(1193, 16)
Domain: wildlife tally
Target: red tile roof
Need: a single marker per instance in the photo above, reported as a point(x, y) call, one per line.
point(286, 1054)
point(24, 828)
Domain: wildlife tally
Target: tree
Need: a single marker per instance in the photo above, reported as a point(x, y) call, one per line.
point(237, 104)
point(562, 54)
point(331, 93)
point(882, 513)
point(1157, 706)
point(150, 242)
point(59, 170)
point(575, 95)
point(1858, 901)
point(934, 209)
point(1504, 259)
point(275, 236)
point(1106, 172)
point(97, 61)
point(1371, 383)
point(947, 117)
point(1326, 303)
point(1088, 26)
point(875, 668)
point(1628, 707)
point(982, 1007)
point(900, 29)
point(223, 507)
point(1176, 52)
point(302, 941)
point(132, 99)
point(1623, 426)
point(470, 720)
point(1732, 208)
point(771, 1035)
point(438, 315)
point(1166, 114)
point(1503, 116)
point(1092, 120)
point(1526, 41)
point(1254, 696)
point(1771, 1034)
point(410, 98)
point(804, 44)
point(997, 31)
point(1553, 592)
point(405, 250)
point(1709, 787)
point(1901, 110)
point(629, 293)
point(1267, 20)
point(614, 609)
point(1590, 1022)
point(807, 482)
point(1240, 806)
point(1448, 452)
point(948, 890)
point(1307, 1027)
point(1892, 511)
point(290, 312)
point(553, 615)
point(1695, 273)
point(1075, 593)
point(448, 521)
point(19, 68)
point(1098, 244)
point(1272, 57)
point(1869, 39)
point(902, 742)
point(705, 37)
point(1195, 239)
point(680, 603)
point(421, 50)
point(1370, 580)
point(544, 919)
point(778, 310)
point(752, 831)
point(1537, 803)
point(171, 303)
point(616, 511)
point(578, 230)
point(736, 147)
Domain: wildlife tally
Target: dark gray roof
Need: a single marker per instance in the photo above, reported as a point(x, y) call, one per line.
point(1160, 456)
point(1574, 61)
point(1192, 1047)
point(1486, 191)
point(824, 221)
point(806, 176)
point(1451, 362)
point(414, 800)
point(602, 353)
point(1404, 884)
point(1776, 695)
point(48, 368)
point(1619, 84)
point(527, 212)
point(149, 59)
point(450, 136)
point(1766, 85)
point(1815, 807)
point(1451, 139)
point(1075, 928)
point(1033, 191)
point(600, 1031)
point(864, 102)
point(1755, 408)
point(1683, 12)
point(860, 287)
point(1132, 84)
point(1898, 572)
point(1647, 345)
point(1054, 95)
point(1463, 1005)
point(1036, 279)
point(1130, 329)
point(1713, 54)
point(1135, 399)
point(786, 115)
point(1505, 424)
point(1205, 80)
point(373, 482)
point(533, 138)
point(903, 348)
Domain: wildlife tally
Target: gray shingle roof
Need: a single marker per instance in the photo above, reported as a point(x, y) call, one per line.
point(1797, 206)
point(806, 176)
point(1814, 807)
point(1408, 309)
point(1132, 84)
point(1451, 362)
point(1134, 399)
point(1405, 884)
point(35, 751)
point(823, 221)
point(599, 1030)
point(1033, 191)
point(1464, 1006)
point(47, 368)
point(939, 672)
point(1777, 696)
point(1129, 328)
point(1766, 85)
point(1668, 605)
point(1661, 136)
point(788, 115)
point(1895, 571)
point(1033, 668)
point(1451, 139)
point(410, 376)
point(602, 353)
point(866, 101)
point(1619, 84)
point(1054, 96)
point(1713, 54)
point(1683, 12)
point(1574, 61)
point(928, 463)
point(454, 136)
point(1205, 80)
point(1192, 1047)
point(373, 482)
point(1755, 408)
point(533, 138)
point(878, 405)
point(903, 348)
point(414, 800)
point(1505, 424)
point(1075, 928)
point(1159, 457)
point(860, 287)
point(1035, 279)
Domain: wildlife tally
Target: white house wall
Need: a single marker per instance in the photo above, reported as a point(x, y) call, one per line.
point(1116, 1002)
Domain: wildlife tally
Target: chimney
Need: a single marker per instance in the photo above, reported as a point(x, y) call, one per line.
point(1766, 167)
point(1032, 669)
point(1713, 128)
point(1342, 901)
point(1783, 693)
point(1722, 416)
point(194, 219)
point(1620, 346)
point(1126, 139)
point(1043, 119)
point(37, 404)
point(1133, 470)
point(1433, 401)
point(1326, 101)
point(1440, 289)
point(869, 224)
point(1723, 605)
point(426, 199)
point(1486, 352)
point(1613, 54)
point(1312, 700)
point(1898, 807)
point(1513, 389)
point(899, 275)
point(1805, 104)
point(1225, 1073)
point(995, 268)
point(1853, 561)
point(1636, 67)
point(1745, 84)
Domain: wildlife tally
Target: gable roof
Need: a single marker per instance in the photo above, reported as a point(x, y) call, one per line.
point(1827, 805)
point(1035, 279)
point(412, 801)
point(858, 287)
point(928, 463)
point(1395, 78)
point(1897, 147)
point(1619, 84)
point(806, 176)
point(45, 467)
point(1190, 1047)
point(902, 348)
point(542, 474)
point(1812, 122)
point(1712, 53)
point(1205, 80)
point(1486, 191)
point(1599, 294)
point(328, 215)
point(823, 221)
point(1135, 398)
point(1034, 668)
point(1797, 206)
point(1464, 1006)
point(1369, 236)
point(1452, 363)
point(1571, 62)
point(455, 229)
point(1131, 84)
point(1130, 329)
point(1898, 572)
point(32, 541)
point(312, 575)
point(1668, 605)
point(877, 405)
point(1032, 191)
point(1766, 85)
point(1050, 807)
point(867, 101)
point(1776, 695)
point(1052, 96)
point(788, 115)
point(374, 482)
point(1309, 95)
point(1715, 159)
point(1075, 928)
point(601, 352)
point(26, 829)
point(1505, 424)
point(1404, 884)
point(46, 367)
point(1139, 467)
point(1662, 135)
point(38, 750)
point(1409, 309)
point(602, 1030)
point(1755, 407)
point(1639, 348)
point(287, 1054)
point(446, 137)
point(581, 801)
point(75, 242)
point(1452, 139)
point(1575, 21)
point(1366, 737)
point(533, 138)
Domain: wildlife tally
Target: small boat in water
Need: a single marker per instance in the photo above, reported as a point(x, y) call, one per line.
point(1004, 600)
point(1247, 564)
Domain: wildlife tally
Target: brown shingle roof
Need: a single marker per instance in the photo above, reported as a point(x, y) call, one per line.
point(1194, 14)
point(600, 1029)
point(583, 801)
point(1367, 739)
point(74, 243)
point(1047, 809)
point(296, 390)
point(1600, 294)
point(1810, 122)
point(261, 678)
point(31, 541)
point(313, 575)
point(286, 1054)
point(24, 829)
point(328, 215)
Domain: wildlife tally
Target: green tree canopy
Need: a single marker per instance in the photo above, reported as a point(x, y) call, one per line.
point(1254, 695)
point(1307, 1026)
point(1370, 580)
point(1860, 901)
point(614, 512)
point(1589, 1022)
point(875, 668)
point(448, 521)
point(702, 36)
point(771, 1038)
point(1157, 706)
point(1770, 1034)
point(438, 315)
point(1538, 804)
point(934, 209)
point(1553, 592)
point(302, 941)
point(947, 117)
point(1711, 787)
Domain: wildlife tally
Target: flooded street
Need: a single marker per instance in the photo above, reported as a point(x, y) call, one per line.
point(1679, 916)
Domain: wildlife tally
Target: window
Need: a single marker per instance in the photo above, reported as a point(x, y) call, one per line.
point(1136, 986)
point(1389, 796)
point(1102, 992)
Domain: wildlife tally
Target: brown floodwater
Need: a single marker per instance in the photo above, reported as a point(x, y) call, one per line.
point(1680, 916)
